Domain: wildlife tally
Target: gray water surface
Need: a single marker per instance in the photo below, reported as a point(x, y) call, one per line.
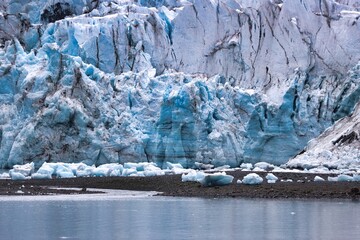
point(140, 217)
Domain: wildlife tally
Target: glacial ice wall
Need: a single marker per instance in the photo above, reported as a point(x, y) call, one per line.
point(220, 82)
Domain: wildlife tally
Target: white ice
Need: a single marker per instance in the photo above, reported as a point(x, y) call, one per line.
point(252, 179)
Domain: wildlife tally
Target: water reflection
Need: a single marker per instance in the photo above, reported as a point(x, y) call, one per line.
point(179, 218)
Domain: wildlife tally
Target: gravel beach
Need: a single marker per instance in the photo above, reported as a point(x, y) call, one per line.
point(301, 187)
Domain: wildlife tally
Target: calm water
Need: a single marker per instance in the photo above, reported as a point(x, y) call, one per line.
point(139, 217)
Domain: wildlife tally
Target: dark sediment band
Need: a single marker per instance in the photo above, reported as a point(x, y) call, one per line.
point(302, 186)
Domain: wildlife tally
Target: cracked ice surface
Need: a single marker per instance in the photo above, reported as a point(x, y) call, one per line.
point(216, 82)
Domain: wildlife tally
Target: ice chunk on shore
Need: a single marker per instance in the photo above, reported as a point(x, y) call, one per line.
point(153, 170)
point(332, 179)
point(264, 166)
point(16, 175)
point(252, 179)
point(193, 176)
point(4, 176)
point(203, 166)
point(108, 170)
point(271, 178)
point(65, 174)
point(46, 169)
point(100, 172)
point(356, 178)
point(85, 172)
point(26, 169)
point(207, 179)
point(41, 176)
point(169, 165)
point(129, 171)
point(216, 179)
point(318, 179)
point(63, 171)
point(344, 178)
point(247, 166)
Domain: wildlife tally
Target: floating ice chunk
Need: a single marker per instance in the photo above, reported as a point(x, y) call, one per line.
point(344, 178)
point(271, 178)
point(264, 165)
point(216, 179)
point(287, 180)
point(318, 179)
point(252, 179)
point(26, 169)
point(238, 181)
point(247, 166)
point(16, 175)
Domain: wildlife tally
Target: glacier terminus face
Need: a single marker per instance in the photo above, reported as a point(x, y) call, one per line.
point(210, 81)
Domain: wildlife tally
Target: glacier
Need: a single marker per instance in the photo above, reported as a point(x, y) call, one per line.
point(220, 82)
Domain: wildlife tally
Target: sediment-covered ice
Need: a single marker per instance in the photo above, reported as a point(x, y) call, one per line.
point(188, 82)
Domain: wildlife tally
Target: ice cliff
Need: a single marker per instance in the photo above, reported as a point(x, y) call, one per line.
point(220, 82)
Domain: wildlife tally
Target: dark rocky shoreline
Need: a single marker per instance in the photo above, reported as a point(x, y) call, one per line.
point(301, 187)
